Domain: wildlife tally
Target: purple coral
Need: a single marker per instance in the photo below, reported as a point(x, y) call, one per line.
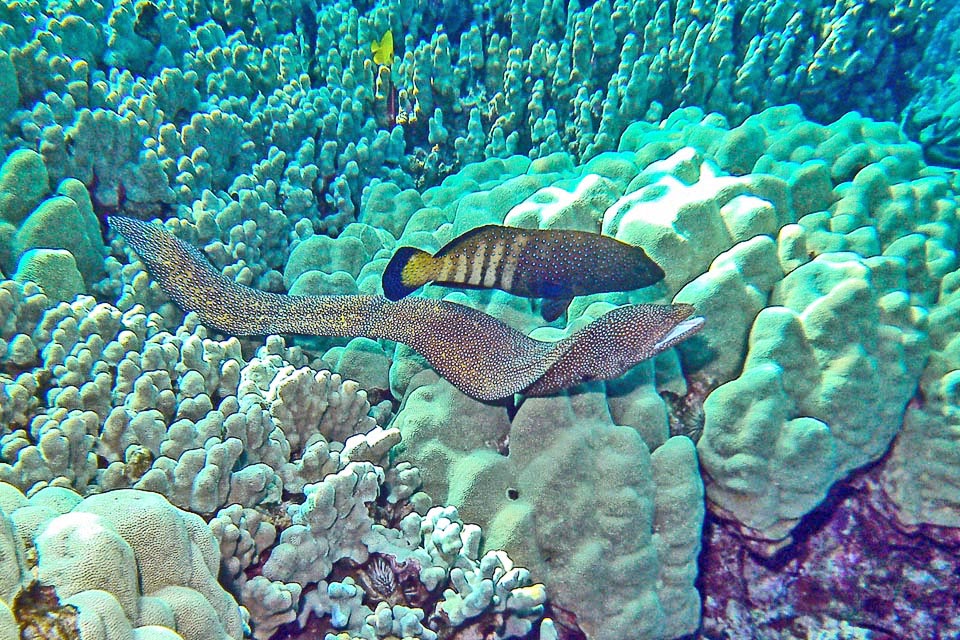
point(851, 567)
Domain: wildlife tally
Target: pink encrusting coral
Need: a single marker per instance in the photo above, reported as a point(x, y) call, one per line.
point(853, 571)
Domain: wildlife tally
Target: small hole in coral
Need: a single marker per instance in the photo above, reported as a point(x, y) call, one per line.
point(513, 494)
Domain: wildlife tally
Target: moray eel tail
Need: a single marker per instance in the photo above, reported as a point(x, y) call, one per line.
point(480, 355)
point(408, 270)
point(193, 284)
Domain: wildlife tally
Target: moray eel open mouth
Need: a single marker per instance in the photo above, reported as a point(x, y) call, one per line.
point(480, 355)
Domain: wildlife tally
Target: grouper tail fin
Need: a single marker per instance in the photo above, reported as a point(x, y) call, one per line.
point(408, 270)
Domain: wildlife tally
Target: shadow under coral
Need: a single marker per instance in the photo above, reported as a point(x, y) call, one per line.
point(851, 569)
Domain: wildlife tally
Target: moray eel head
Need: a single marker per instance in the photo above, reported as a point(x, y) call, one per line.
point(615, 342)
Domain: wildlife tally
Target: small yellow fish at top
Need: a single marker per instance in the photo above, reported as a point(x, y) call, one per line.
point(383, 50)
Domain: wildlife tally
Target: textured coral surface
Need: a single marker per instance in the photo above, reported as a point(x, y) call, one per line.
point(851, 562)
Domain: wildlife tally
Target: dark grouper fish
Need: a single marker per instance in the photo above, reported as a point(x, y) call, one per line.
point(534, 263)
point(480, 355)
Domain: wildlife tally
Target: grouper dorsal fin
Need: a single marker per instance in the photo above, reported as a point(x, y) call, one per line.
point(466, 236)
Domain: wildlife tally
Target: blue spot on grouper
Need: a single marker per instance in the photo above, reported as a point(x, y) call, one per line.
point(553, 264)
point(480, 355)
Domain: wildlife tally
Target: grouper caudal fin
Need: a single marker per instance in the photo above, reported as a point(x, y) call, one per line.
point(483, 357)
point(407, 271)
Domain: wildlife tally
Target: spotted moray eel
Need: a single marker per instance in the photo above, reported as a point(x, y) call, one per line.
point(480, 355)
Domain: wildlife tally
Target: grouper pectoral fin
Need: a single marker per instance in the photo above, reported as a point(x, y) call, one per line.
point(553, 308)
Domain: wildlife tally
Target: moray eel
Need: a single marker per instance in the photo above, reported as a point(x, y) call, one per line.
point(534, 263)
point(480, 355)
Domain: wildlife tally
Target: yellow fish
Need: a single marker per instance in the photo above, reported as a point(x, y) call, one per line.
point(383, 50)
point(536, 263)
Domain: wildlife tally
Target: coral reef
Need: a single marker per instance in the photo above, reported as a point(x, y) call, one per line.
point(570, 468)
point(240, 114)
point(807, 433)
point(823, 248)
point(106, 400)
point(931, 116)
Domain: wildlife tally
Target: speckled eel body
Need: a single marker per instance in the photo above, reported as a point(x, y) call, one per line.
point(480, 355)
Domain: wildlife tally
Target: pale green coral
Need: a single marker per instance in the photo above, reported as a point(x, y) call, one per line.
point(124, 559)
point(23, 184)
point(923, 472)
point(64, 221)
point(55, 270)
point(736, 287)
point(563, 455)
point(61, 222)
point(830, 367)
point(9, 91)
